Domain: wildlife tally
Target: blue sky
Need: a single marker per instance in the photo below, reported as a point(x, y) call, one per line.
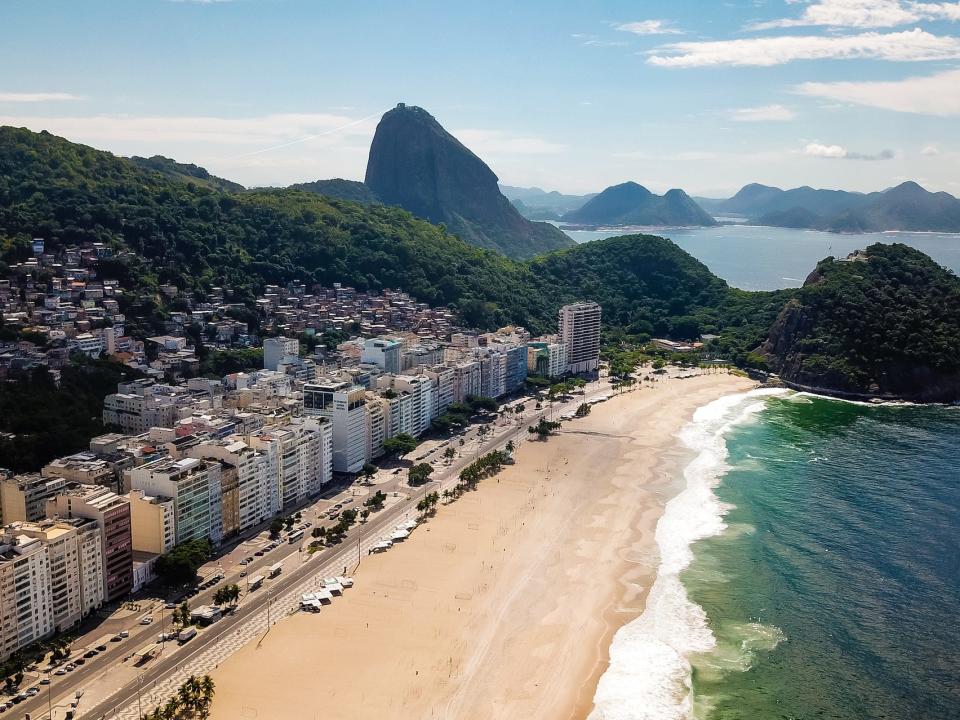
point(574, 96)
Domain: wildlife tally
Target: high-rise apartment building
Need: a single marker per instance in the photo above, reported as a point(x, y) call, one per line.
point(112, 515)
point(579, 327)
point(194, 487)
point(343, 405)
point(277, 349)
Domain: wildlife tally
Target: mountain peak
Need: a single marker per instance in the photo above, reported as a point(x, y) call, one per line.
point(416, 164)
point(630, 203)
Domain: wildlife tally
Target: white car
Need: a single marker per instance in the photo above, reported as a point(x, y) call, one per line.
point(124, 634)
point(147, 620)
point(60, 671)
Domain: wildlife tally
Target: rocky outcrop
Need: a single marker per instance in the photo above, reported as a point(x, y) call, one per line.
point(416, 164)
point(884, 323)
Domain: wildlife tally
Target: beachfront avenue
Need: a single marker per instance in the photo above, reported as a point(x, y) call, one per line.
point(159, 679)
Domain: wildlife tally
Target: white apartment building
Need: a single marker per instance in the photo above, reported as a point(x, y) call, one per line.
point(135, 414)
point(301, 456)
point(26, 605)
point(419, 390)
point(378, 413)
point(75, 562)
point(259, 489)
point(275, 350)
point(194, 487)
point(547, 358)
point(442, 379)
point(466, 380)
point(343, 405)
point(579, 328)
point(382, 352)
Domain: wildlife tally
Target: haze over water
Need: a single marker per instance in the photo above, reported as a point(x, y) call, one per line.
point(768, 258)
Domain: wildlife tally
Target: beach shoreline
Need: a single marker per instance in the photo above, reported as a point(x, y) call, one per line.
point(504, 605)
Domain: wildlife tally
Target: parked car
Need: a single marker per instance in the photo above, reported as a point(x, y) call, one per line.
point(79, 661)
point(45, 681)
point(147, 620)
point(124, 634)
point(244, 561)
point(89, 654)
point(101, 648)
point(116, 638)
point(169, 605)
point(34, 691)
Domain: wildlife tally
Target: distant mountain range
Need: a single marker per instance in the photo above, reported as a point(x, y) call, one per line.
point(907, 207)
point(632, 204)
point(536, 204)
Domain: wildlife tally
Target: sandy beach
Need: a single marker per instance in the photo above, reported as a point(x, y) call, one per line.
point(504, 604)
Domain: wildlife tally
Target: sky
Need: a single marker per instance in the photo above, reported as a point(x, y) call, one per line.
point(564, 95)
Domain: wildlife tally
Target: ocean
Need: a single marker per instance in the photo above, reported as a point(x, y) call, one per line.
point(767, 258)
point(810, 568)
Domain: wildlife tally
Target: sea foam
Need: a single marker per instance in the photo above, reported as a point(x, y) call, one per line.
point(649, 673)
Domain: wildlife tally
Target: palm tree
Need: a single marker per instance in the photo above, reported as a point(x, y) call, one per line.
point(207, 687)
point(170, 710)
point(510, 446)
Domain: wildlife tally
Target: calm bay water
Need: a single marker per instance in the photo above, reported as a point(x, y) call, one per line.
point(810, 569)
point(767, 258)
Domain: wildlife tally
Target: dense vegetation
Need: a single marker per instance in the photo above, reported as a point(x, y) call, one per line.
point(165, 228)
point(42, 420)
point(340, 189)
point(885, 323)
point(180, 565)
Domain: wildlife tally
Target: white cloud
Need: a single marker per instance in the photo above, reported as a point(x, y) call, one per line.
point(766, 113)
point(865, 14)
point(825, 151)
point(837, 152)
point(930, 150)
point(37, 97)
point(908, 46)
point(497, 142)
point(649, 27)
point(937, 94)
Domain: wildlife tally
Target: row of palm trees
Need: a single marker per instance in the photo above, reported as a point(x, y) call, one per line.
point(193, 700)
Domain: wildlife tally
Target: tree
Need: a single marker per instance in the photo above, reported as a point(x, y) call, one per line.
point(583, 410)
point(369, 470)
point(364, 514)
point(375, 502)
point(401, 444)
point(510, 447)
point(449, 454)
point(479, 402)
point(180, 565)
point(276, 525)
point(543, 429)
point(419, 474)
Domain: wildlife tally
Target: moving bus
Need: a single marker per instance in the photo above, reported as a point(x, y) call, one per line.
point(295, 536)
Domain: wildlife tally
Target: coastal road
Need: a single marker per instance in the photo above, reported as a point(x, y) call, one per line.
point(160, 677)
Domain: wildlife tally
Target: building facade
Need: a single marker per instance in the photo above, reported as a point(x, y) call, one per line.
point(579, 329)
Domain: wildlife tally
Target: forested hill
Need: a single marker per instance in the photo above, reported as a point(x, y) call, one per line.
point(885, 321)
point(169, 231)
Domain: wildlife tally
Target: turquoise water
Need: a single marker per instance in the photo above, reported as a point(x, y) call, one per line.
point(834, 591)
point(766, 258)
point(809, 569)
